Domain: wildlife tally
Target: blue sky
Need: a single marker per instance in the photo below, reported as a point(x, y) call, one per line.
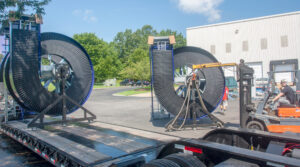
point(108, 17)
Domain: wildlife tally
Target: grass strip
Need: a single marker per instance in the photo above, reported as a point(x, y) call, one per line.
point(133, 92)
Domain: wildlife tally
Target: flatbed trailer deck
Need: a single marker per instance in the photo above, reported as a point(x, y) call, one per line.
point(86, 144)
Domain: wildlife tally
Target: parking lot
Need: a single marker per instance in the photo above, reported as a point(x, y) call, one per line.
point(135, 112)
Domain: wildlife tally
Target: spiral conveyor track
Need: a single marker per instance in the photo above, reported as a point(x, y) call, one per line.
point(186, 56)
point(22, 75)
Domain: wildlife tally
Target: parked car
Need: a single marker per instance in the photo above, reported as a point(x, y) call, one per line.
point(131, 83)
point(138, 83)
point(124, 82)
point(146, 83)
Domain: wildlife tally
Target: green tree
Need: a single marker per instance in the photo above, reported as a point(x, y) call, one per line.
point(127, 56)
point(179, 38)
point(133, 50)
point(137, 55)
point(126, 42)
point(108, 68)
point(137, 66)
point(21, 6)
point(103, 55)
point(143, 69)
point(142, 35)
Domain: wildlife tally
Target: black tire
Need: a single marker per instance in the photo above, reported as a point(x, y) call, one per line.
point(185, 160)
point(257, 125)
point(161, 163)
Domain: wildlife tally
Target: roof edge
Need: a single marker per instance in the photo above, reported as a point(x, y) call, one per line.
point(245, 20)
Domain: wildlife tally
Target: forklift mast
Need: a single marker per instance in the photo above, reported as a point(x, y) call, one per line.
point(245, 83)
point(298, 86)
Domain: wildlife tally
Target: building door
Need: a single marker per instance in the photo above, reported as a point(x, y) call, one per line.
point(289, 76)
point(258, 69)
point(284, 65)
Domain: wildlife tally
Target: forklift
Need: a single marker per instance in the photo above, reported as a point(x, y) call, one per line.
point(232, 146)
point(284, 118)
point(262, 115)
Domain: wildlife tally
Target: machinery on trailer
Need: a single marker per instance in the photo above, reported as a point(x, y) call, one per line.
point(27, 77)
point(9, 108)
point(224, 146)
point(192, 103)
point(264, 116)
point(52, 75)
point(158, 111)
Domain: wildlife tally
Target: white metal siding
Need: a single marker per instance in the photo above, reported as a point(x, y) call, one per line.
point(271, 28)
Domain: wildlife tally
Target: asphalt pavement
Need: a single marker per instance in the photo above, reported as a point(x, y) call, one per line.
point(135, 112)
point(126, 111)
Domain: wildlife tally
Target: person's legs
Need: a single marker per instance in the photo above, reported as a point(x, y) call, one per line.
point(225, 103)
point(222, 103)
point(282, 100)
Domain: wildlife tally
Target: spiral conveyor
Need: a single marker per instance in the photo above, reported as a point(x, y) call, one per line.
point(163, 82)
point(26, 78)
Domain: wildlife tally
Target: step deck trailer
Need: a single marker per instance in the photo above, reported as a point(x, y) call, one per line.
point(96, 144)
point(86, 144)
point(239, 147)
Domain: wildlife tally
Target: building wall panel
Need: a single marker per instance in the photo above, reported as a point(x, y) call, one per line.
point(252, 31)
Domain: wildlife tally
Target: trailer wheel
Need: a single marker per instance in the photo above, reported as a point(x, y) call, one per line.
point(185, 160)
point(255, 125)
point(161, 163)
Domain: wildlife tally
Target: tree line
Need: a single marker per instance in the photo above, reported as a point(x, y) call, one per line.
point(127, 56)
point(20, 7)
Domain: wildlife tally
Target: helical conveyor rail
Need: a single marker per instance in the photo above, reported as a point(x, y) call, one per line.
point(186, 56)
point(22, 75)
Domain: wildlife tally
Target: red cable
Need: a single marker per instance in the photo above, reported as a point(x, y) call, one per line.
point(290, 147)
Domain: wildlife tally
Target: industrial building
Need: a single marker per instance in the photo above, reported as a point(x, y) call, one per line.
point(259, 41)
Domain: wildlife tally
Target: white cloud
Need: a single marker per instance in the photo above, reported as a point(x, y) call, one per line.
point(205, 7)
point(86, 15)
